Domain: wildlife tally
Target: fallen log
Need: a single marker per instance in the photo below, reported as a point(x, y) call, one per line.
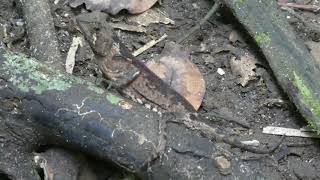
point(76, 111)
point(60, 109)
point(294, 67)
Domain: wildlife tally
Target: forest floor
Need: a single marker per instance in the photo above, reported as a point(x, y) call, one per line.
point(259, 103)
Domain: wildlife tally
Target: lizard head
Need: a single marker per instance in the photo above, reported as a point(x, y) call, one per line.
point(96, 31)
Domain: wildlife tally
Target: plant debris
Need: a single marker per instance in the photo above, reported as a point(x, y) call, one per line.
point(307, 7)
point(174, 67)
point(152, 16)
point(289, 132)
point(71, 57)
point(114, 6)
point(148, 45)
point(244, 68)
point(127, 27)
point(235, 36)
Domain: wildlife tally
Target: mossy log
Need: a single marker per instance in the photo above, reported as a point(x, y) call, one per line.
point(46, 107)
point(294, 67)
point(76, 111)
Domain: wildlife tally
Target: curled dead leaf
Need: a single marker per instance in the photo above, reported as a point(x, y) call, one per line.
point(244, 68)
point(114, 6)
point(174, 67)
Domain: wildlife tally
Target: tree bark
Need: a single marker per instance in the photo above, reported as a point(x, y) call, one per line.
point(70, 112)
point(294, 67)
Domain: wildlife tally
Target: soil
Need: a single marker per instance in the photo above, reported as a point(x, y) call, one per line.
point(261, 103)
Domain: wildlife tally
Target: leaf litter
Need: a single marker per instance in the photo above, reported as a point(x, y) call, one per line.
point(115, 6)
point(244, 68)
point(175, 67)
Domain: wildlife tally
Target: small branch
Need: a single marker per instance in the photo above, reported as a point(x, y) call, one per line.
point(306, 7)
point(212, 11)
point(41, 32)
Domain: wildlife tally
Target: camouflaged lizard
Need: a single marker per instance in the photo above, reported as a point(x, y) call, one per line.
point(128, 75)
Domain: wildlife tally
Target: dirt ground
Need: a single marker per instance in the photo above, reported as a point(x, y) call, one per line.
point(261, 103)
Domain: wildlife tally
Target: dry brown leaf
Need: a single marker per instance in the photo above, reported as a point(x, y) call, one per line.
point(174, 67)
point(315, 50)
point(114, 6)
point(244, 68)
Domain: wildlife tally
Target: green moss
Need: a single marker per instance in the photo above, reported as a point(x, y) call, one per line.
point(275, 18)
point(16, 65)
point(262, 38)
point(239, 2)
point(313, 126)
point(308, 98)
point(113, 99)
point(95, 89)
point(28, 74)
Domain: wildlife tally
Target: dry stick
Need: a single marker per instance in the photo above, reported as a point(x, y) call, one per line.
point(214, 9)
point(306, 7)
point(148, 45)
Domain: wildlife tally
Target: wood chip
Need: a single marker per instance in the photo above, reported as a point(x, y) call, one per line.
point(288, 132)
point(71, 57)
point(255, 143)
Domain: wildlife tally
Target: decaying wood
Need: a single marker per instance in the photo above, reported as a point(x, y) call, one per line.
point(41, 32)
point(294, 67)
point(60, 109)
point(17, 139)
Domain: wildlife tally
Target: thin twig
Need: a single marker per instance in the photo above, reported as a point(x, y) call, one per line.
point(212, 133)
point(212, 11)
point(218, 115)
point(306, 7)
point(148, 45)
